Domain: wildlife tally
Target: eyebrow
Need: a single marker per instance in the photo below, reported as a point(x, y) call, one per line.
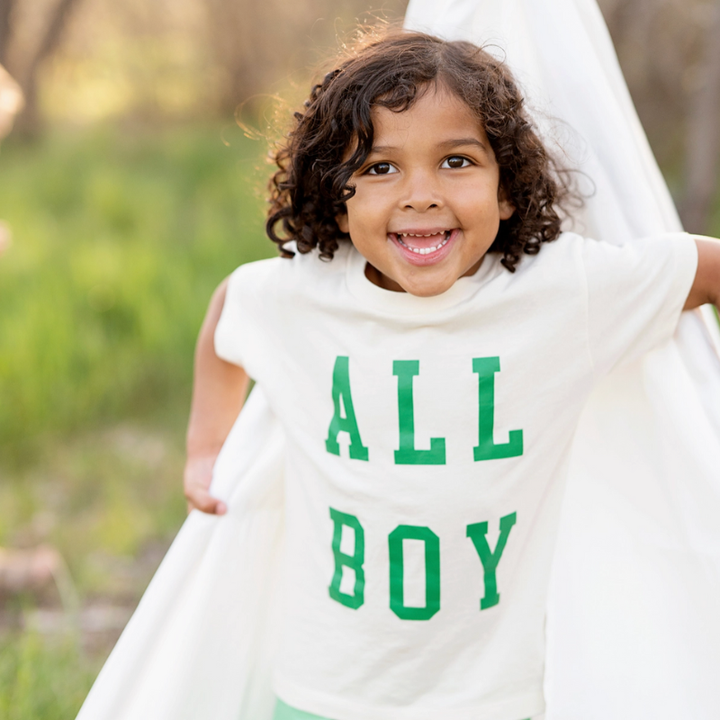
point(445, 145)
point(450, 144)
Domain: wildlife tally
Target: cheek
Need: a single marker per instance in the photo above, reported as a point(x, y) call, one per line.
point(366, 213)
point(480, 203)
point(495, 205)
point(354, 213)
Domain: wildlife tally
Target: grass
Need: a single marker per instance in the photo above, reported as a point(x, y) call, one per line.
point(41, 679)
point(118, 243)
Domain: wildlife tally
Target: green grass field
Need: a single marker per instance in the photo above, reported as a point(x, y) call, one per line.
point(118, 243)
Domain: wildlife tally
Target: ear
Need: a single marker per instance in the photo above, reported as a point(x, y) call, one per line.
point(342, 221)
point(505, 207)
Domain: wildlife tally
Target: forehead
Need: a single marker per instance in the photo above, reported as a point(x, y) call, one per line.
point(437, 113)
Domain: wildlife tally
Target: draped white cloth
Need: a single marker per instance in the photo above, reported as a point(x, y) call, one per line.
point(633, 628)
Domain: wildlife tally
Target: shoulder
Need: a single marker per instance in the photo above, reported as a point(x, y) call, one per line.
point(577, 265)
point(257, 272)
point(596, 254)
point(280, 277)
point(561, 258)
point(641, 257)
point(566, 249)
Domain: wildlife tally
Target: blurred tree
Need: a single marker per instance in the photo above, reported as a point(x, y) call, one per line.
point(250, 39)
point(45, 43)
point(670, 56)
point(702, 156)
point(29, 120)
point(5, 11)
point(258, 42)
point(174, 59)
point(157, 60)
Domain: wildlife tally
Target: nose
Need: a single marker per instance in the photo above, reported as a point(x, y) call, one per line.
point(421, 191)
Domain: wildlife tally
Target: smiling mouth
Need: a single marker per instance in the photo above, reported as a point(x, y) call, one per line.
point(423, 244)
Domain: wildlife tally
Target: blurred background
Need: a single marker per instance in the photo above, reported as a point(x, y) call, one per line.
point(128, 190)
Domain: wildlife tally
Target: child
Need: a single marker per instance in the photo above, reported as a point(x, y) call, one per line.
point(427, 343)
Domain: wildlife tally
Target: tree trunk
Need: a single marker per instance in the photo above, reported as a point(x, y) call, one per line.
point(6, 7)
point(702, 157)
point(29, 122)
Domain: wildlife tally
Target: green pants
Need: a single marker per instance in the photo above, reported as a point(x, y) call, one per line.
point(285, 712)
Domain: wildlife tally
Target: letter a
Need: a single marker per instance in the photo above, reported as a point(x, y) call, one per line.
point(348, 424)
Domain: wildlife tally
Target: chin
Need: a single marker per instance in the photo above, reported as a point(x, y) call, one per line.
point(428, 284)
point(427, 290)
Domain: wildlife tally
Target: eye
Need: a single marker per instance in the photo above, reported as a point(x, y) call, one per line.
point(456, 161)
point(381, 168)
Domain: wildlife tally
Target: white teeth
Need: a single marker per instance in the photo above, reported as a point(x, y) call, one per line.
point(423, 251)
point(415, 235)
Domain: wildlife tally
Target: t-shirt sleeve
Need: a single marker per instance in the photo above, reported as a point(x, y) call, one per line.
point(249, 295)
point(635, 295)
point(231, 330)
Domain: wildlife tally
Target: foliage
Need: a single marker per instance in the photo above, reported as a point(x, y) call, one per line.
point(41, 680)
point(118, 244)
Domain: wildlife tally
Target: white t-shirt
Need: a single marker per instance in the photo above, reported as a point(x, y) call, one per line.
point(427, 447)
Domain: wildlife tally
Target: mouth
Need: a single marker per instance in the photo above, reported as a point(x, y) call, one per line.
point(424, 248)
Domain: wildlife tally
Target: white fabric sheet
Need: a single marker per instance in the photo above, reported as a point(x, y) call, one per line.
point(632, 627)
point(202, 641)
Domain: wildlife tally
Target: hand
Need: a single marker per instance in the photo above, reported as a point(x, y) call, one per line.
point(197, 477)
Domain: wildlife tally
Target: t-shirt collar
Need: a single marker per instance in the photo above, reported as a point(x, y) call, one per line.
point(400, 303)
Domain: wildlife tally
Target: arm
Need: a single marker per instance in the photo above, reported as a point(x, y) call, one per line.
point(219, 391)
point(706, 286)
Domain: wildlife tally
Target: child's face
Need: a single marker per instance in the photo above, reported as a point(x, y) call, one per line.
point(427, 205)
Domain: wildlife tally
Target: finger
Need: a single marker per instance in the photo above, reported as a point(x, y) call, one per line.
point(200, 498)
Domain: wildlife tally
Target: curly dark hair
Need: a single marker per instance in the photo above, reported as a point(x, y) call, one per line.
point(313, 181)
